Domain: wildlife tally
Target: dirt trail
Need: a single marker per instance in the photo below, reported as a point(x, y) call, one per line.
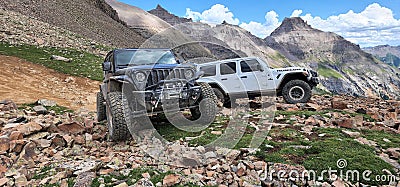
point(25, 82)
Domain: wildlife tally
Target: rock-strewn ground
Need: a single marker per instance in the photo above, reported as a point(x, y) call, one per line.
point(72, 149)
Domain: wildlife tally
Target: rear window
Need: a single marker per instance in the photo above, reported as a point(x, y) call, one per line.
point(250, 65)
point(208, 70)
point(228, 68)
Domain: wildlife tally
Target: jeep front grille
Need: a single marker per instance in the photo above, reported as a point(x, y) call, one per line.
point(157, 75)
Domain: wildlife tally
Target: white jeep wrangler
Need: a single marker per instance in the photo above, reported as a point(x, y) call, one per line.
point(252, 77)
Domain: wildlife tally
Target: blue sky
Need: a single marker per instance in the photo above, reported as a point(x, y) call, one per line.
point(365, 22)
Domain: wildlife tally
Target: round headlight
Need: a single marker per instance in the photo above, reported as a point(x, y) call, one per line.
point(140, 76)
point(189, 74)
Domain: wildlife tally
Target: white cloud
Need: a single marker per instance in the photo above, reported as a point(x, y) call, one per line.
point(375, 25)
point(215, 15)
point(262, 30)
point(296, 13)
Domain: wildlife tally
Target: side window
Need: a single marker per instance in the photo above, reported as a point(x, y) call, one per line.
point(250, 65)
point(208, 70)
point(228, 68)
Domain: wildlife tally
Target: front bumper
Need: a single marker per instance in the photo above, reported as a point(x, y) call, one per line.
point(164, 100)
point(314, 80)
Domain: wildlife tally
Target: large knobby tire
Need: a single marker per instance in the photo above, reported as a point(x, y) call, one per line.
point(220, 97)
point(116, 123)
point(209, 106)
point(296, 91)
point(100, 107)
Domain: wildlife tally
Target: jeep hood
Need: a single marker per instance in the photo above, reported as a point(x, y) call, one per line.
point(152, 67)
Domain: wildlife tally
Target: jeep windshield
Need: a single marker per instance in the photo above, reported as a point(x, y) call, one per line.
point(144, 57)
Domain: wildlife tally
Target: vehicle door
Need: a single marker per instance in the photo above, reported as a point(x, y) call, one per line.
point(255, 76)
point(229, 78)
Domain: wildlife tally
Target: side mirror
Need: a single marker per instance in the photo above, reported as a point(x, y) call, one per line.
point(179, 61)
point(107, 66)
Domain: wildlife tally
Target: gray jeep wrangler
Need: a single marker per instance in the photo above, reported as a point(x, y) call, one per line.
point(143, 82)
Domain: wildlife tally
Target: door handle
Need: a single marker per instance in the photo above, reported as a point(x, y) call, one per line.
point(243, 77)
point(270, 79)
point(224, 79)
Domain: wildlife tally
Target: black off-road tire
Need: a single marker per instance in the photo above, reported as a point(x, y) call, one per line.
point(296, 91)
point(100, 107)
point(210, 106)
point(220, 97)
point(116, 123)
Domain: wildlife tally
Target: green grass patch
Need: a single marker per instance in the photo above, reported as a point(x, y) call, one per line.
point(57, 109)
point(328, 72)
point(323, 152)
point(380, 136)
point(83, 64)
point(322, 113)
point(132, 177)
point(43, 173)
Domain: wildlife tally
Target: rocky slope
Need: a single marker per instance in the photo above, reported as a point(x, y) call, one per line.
point(100, 24)
point(344, 67)
point(16, 28)
point(168, 17)
point(224, 40)
point(386, 53)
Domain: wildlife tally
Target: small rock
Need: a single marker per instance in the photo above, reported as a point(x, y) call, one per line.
point(394, 153)
point(16, 135)
point(69, 80)
point(338, 104)
point(73, 128)
point(40, 109)
point(39, 41)
point(122, 185)
point(4, 144)
point(259, 165)
point(345, 123)
point(171, 180)
point(85, 179)
point(210, 154)
point(60, 58)
point(216, 132)
point(339, 183)
point(3, 181)
point(313, 107)
point(20, 181)
point(27, 156)
point(42, 143)
point(46, 103)
point(29, 128)
point(364, 141)
point(233, 154)
point(351, 134)
point(146, 175)
point(240, 172)
point(144, 183)
point(210, 173)
point(7, 105)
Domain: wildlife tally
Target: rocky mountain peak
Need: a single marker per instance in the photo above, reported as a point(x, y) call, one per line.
point(292, 24)
point(162, 13)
